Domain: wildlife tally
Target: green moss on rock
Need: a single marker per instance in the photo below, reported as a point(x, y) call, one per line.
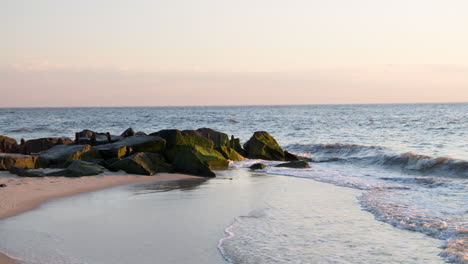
point(142, 163)
point(263, 146)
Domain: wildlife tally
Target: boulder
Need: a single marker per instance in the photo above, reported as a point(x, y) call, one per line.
point(7, 161)
point(219, 139)
point(8, 145)
point(88, 137)
point(60, 154)
point(78, 168)
point(189, 138)
point(41, 144)
point(229, 153)
point(198, 160)
point(142, 163)
point(236, 145)
point(295, 164)
point(129, 133)
point(263, 146)
point(27, 172)
point(258, 166)
point(290, 157)
point(130, 145)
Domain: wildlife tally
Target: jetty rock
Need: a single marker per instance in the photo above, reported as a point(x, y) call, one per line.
point(295, 164)
point(79, 168)
point(198, 160)
point(258, 166)
point(8, 160)
point(89, 137)
point(129, 132)
point(221, 143)
point(263, 146)
point(142, 163)
point(60, 154)
point(40, 144)
point(131, 145)
point(8, 145)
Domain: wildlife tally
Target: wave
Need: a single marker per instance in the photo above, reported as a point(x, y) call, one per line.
point(398, 213)
point(379, 156)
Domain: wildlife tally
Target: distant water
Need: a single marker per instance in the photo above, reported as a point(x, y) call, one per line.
point(409, 161)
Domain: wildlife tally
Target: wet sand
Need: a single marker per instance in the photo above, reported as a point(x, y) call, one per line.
point(23, 194)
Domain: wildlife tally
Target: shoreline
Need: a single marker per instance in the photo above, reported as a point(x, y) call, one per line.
point(24, 194)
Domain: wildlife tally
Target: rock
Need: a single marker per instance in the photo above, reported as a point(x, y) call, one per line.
point(219, 139)
point(86, 138)
point(290, 157)
point(236, 145)
point(8, 145)
point(130, 145)
point(263, 146)
point(229, 153)
point(60, 154)
point(41, 144)
point(78, 168)
point(190, 138)
point(295, 164)
point(198, 160)
point(2, 185)
point(258, 166)
point(140, 133)
point(142, 163)
point(7, 161)
point(26, 173)
point(129, 133)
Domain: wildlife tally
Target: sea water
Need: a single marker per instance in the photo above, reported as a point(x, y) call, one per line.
point(406, 167)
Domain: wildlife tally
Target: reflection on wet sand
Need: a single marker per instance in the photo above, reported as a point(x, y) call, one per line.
point(166, 186)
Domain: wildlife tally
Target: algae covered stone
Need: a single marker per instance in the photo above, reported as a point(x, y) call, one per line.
point(175, 137)
point(198, 160)
point(300, 164)
point(8, 145)
point(7, 161)
point(219, 139)
point(263, 146)
point(258, 166)
point(142, 163)
point(60, 154)
point(230, 153)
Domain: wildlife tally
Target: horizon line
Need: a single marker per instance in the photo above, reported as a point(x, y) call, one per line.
point(240, 105)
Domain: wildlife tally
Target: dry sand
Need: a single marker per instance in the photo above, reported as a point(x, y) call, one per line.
point(23, 194)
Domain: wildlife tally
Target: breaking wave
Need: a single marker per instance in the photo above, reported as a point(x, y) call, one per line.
point(379, 156)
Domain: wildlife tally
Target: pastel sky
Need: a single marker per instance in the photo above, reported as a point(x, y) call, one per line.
point(223, 52)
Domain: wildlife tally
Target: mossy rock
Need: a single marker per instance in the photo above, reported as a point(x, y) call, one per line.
point(263, 146)
point(60, 154)
point(7, 161)
point(10, 144)
point(229, 153)
point(79, 168)
point(189, 138)
point(290, 157)
point(236, 145)
point(219, 139)
point(131, 145)
point(142, 163)
point(295, 164)
point(27, 172)
point(198, 160)
point(258, 166)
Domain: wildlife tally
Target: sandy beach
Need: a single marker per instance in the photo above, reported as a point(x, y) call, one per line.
point(24, 194)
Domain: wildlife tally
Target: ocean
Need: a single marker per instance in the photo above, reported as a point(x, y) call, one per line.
point(387, 184)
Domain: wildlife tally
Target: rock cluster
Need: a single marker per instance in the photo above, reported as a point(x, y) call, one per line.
point(197, 152)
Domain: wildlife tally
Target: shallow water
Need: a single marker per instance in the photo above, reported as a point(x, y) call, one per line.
point(409, 161)
point(253, 218)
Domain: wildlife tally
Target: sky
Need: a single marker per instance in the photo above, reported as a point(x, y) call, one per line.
point(56, 53)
